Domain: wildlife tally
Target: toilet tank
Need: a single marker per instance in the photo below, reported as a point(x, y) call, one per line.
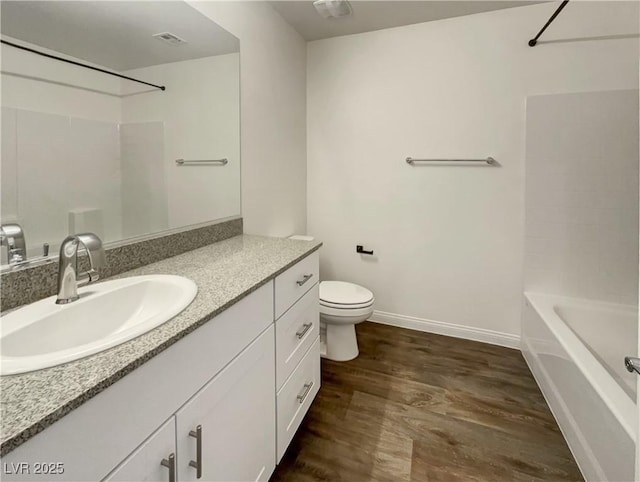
point(301, 237)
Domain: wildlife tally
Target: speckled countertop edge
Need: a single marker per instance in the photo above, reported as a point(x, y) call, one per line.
point(225, 272)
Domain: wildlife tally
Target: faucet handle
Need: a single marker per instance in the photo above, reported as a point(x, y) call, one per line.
point(15, 255)
point(45, 250)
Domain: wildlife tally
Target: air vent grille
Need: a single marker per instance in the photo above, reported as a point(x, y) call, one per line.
point(169, 38)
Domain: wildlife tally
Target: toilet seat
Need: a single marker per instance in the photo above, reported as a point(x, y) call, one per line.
point(339, 306)
point(345, 296)
point(352, 313)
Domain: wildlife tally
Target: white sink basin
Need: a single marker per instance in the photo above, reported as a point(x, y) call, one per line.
point(107, 314)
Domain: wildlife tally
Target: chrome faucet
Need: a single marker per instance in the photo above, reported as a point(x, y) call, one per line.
point(12, 236)
point(68, 278)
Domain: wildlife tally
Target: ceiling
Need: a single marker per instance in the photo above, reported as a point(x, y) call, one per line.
point(376, 15)
point(117, 35)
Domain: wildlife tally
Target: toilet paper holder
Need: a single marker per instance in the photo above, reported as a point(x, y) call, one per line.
point(361, 250)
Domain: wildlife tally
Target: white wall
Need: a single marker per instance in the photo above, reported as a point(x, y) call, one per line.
point(448, 240)
point(273, 90)
point(582, 195)
point(201, 117)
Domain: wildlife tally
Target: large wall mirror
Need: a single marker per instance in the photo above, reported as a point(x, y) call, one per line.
point(83, 150)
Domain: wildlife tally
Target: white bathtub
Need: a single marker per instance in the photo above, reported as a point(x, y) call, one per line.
point(575, 349)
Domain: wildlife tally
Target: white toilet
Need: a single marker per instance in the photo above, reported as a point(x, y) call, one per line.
point(342, 306)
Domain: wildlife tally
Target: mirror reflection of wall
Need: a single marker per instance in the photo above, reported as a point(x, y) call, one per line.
point(86, 151)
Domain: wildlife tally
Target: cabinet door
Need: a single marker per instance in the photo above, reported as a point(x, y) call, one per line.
point(145, 463)
point(236, 415)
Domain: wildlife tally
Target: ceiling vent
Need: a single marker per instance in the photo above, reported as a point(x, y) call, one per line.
point(332, 8)
point(169, 38)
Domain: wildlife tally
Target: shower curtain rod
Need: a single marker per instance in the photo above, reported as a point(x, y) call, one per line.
point(534, 41)
point(55, 57)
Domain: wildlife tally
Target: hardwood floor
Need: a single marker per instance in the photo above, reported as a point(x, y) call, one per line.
point(421, 407)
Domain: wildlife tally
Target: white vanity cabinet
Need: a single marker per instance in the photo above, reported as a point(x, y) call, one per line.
point(97, 436)
point(224, 433)
point(297, 346)
point(240, 385)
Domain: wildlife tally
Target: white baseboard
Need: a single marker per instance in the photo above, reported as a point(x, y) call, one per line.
point(448, 329)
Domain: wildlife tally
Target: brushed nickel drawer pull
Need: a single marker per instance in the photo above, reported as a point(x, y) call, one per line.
point(300, 333)
point(305, 392)
point(305, 278)
point(197, 434)
point(170, 463)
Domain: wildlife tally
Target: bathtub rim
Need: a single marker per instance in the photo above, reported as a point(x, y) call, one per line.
point(614, 396)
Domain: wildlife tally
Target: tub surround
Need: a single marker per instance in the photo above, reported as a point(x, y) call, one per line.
point(225, 272)
point(581, 196)
point(27, 285)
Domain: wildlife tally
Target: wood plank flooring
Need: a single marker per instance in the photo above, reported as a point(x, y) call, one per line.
point(422, 407)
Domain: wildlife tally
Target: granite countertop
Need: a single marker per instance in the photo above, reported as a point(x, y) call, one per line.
point(225, 272)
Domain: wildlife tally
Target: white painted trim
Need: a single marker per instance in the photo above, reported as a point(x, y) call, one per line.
point(448, 329)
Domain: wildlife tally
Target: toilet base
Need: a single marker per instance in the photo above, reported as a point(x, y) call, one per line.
point(340, 341)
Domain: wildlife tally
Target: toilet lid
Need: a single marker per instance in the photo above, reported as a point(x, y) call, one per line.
point(343, 293)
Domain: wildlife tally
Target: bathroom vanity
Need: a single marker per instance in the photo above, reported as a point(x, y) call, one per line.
point(218, 391)
point(215, 393)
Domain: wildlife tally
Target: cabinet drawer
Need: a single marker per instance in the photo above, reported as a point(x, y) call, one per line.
point(296, 331)
point(295, 282)
point(295, 397)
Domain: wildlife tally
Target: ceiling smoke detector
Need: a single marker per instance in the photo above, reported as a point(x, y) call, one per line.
point(332, 8)
point(169, 38)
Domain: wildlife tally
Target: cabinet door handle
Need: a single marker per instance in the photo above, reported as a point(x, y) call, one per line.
point(170, 463)
point(305, 391)
point(302, 331)
point(304, 279)
point(197, 434)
